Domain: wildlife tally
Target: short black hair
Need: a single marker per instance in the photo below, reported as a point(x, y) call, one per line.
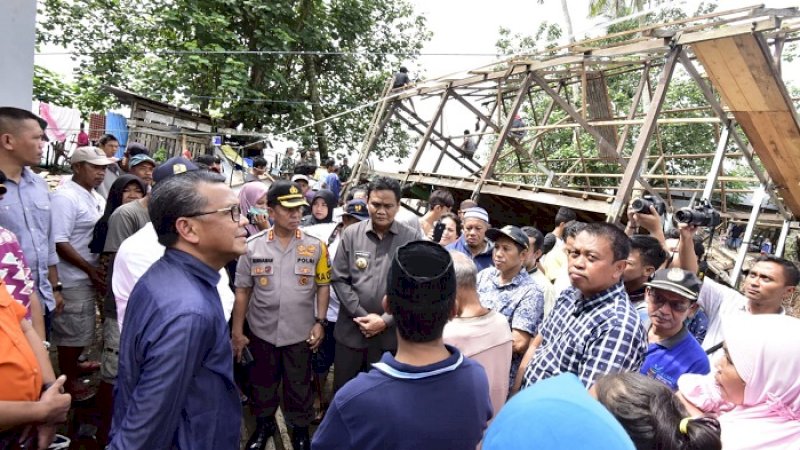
point(572, 228)
point(565, 215)
point(330, 162)
point(620, 242)
point(136, 149)
point(259, 162)
point(538, 237)
point(791, 274)
point(205, 159)
point(11, 117)
point(385, 184)
point(441, 197)
point(174, 197)
point(548, 242)
point(651, 252)
point(106, 138)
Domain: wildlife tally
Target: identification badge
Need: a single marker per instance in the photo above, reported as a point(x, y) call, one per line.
point(263, 281)
point(303, 280)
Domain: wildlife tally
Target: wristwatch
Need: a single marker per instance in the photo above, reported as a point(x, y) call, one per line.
point(58, 287)
point(323, 321)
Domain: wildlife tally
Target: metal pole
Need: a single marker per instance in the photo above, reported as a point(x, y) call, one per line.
point(779, 248)
point(758, 197)
point(711, 180)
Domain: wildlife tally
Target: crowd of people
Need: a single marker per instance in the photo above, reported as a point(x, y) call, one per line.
point(445, 331)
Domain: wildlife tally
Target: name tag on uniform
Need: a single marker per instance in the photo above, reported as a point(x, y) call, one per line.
point(261, 269)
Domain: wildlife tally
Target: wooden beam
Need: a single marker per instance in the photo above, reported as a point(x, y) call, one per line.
point(419, 130)
point(642, 143)
point(501, 139)
point(746, 149)
point(430, 129)
point(448, 142)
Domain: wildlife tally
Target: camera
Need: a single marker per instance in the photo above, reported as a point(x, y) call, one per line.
point(438, 230)
point(642, 205)
point(702, 215)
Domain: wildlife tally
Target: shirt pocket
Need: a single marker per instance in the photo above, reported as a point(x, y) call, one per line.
point(40, 213)
point(262, 275)
point(304, 274)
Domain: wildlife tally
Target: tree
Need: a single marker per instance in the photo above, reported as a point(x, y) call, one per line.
point(271, 66)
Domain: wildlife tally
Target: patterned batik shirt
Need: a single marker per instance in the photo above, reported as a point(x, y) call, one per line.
point(521, 301)
point(589, 337)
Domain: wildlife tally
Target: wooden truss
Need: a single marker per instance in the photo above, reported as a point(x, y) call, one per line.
point(731, 55)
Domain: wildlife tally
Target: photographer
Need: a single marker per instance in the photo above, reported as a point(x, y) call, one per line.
point(770, 280)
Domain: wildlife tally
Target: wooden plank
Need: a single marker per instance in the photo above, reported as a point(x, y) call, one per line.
point(642, 143)
point(762, 72)
point(769, 24)
point(740, 70)
point(718, 73)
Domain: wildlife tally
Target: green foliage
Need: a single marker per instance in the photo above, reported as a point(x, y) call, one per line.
point(151, 47)
point(561, 148)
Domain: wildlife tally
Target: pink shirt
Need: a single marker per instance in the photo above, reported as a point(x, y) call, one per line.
point(487, 340)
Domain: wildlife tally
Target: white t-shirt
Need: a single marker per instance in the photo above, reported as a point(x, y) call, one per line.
point(136, 254)
point(74, 211)
point(720, 302)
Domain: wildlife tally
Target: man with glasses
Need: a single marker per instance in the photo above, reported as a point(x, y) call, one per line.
point(277, 283)
point(175, 386)
point(671, 297)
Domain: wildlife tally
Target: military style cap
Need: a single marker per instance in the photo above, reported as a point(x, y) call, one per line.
point(357, 209)
point(286, 193)
point(173, 166)
point(421, 272)
point(679, 281)
point(510, 231)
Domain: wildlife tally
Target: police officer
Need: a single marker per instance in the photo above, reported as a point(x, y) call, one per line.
point(277, 282)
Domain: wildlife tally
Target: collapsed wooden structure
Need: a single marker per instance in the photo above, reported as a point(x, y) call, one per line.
point(735, 54)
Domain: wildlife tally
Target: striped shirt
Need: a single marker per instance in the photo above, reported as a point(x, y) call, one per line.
point(589, 337)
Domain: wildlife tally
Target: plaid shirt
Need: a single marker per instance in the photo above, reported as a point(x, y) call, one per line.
point(589, 337)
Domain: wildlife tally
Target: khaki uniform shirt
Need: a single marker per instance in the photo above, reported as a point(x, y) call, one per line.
point(284, 282)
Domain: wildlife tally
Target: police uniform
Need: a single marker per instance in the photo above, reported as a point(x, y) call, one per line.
point(280, 315)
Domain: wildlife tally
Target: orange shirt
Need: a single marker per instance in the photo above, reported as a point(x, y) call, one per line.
point(19, 369)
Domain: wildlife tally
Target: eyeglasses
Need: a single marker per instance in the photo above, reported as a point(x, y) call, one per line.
point(659, 301)
point(235, 210)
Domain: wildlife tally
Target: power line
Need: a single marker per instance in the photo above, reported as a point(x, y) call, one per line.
point(261, 53)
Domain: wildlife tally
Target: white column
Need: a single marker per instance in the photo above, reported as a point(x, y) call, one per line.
point(17, 40)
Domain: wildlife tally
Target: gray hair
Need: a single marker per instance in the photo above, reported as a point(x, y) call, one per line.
point(177, 196)
point(466, 271)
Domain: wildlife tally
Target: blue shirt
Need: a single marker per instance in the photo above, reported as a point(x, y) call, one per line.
point(589, 337)
point(521, 301)
point(175, 384)
point(25, 211)
point(440, 406)
point(482, 260)
point(334, 185)
point(667, 360)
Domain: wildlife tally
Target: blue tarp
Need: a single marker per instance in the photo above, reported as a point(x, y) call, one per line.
point(117, 125)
